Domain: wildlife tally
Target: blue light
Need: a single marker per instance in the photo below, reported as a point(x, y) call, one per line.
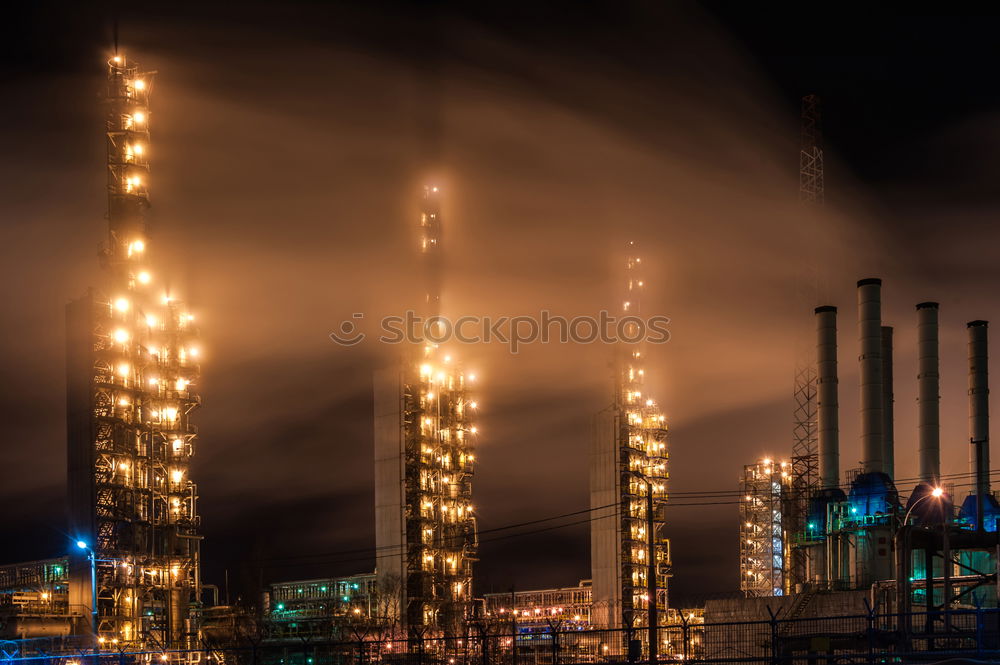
point(82, 544)
point(346, 599)
point(812, 526)
point(281, 606)
point(854, 510)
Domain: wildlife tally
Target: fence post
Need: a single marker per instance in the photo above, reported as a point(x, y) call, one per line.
point(774, 634)
point(979, 630)
point(871, 632)
point(685, 636)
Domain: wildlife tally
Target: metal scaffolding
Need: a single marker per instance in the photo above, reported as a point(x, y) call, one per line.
point(762, 535)
point(811, 186)
point(132, 376)
point(629, 465)
point(428, 531)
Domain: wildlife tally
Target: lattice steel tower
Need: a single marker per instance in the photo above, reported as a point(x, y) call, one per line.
point(424, 462)
point(132, 372)
point(629, 459)
point(804, 459)
point(811, 152)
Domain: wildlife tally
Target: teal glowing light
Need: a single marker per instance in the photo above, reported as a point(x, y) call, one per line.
point(323, 589)
point(281, 606)
point(354, 586)
point(346, 599)
point(812, 526)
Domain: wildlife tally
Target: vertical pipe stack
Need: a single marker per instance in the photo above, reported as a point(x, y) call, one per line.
point(979, 408)
point(929, 393)
point(870, 336)
point(888, 443)
point(827, 390)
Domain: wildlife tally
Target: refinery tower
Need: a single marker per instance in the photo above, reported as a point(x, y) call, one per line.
point(132, 373)
point(630, 555)
point(425, 526)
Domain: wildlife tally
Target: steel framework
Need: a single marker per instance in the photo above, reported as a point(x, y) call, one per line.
point(811, 186)
point(643, 459)
point(439, 440)
point(133, 369)
point(762, 536)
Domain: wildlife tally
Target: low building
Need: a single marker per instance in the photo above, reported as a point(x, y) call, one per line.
point(321, 606)
point(34, 601)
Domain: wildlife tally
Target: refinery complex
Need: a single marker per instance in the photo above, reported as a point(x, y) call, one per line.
point(834, 561)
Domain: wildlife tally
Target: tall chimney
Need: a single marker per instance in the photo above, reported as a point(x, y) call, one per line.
point(979, 408)
point(826, 390)
point(888, 443)
point(929, 393)
point(870, 336)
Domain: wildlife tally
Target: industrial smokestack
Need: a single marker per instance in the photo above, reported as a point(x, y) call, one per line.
point(826, 391)
point(888, 443)
point(979, 408)
point(929, 393)
point(870, 336)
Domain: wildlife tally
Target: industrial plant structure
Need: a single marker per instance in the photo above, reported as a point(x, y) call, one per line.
point(763, 565)
point(630, 554)
point(132, 372)
point(132, 579)
point(313, 608)
point(810, 536)
point(543, 610)
point(425, 526)
point(859, 535)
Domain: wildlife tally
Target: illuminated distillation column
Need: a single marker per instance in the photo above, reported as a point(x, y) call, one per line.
point(430, 248)
point(443, 410)
point(448, 532)
point(762, 540)
point(645, 449)
point(121, 467)
point(153, 371)
point(171, 378)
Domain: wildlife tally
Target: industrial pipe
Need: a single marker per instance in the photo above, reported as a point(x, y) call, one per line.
point(928, 393)
point(828, 411)
point(979, 408)
point(888, 443)
point(870, 337)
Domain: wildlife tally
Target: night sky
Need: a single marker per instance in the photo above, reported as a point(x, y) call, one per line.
point(289, 145)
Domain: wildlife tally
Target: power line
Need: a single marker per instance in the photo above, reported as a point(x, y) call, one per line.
point(690, 500)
